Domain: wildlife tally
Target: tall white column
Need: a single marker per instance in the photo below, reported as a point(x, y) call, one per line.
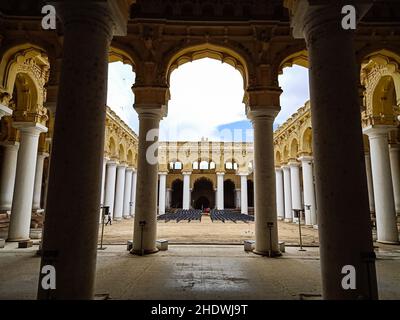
point(186, 190)
point(287, 193)
point(369, 182)
point(127, 193)
point(295, 184)
point(119, 192)
point(280, 198)
point(243, 194)
point(8, 170)
point(220, 190)
point(169, 198)
point(266, 219)
point(394, 152)
point(161, 192)
point(103, 180)
point(37, 191)
point(133, 195)
point(309, 190)
point(386, 222)
point(21, 211)
point(110, 185)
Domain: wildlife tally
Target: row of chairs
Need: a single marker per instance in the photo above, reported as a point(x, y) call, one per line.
point(229, 215)
point(181, 214)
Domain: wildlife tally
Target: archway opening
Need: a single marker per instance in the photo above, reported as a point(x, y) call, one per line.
point(177, 193)
point(203, 194)
point(250, 193)
point(229, 194)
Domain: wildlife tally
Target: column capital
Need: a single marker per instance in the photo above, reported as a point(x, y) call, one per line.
point(262, 113)
point(162, 173)
point(302, 12)
point(43, 154)
point(306, 158)
point(293, 163)
point(10, 144)
point(129, 169)
point(377, 131)
point(186, 173)
point(112, 163)
point(122, 165)
point(220, 173)
point(5, 111)
point(151, 101)
point(30, 127)
point(278, 168)
point(113, 12)
point(285, 167)
point(242, 174)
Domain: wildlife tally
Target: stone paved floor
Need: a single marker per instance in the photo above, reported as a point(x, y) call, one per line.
point(196, 272)
point(207, 232)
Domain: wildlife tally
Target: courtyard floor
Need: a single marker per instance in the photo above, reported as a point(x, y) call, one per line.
point(196, 272)
point(208, 232)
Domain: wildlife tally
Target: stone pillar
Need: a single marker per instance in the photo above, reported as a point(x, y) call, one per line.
point(186, 190)
point(220, 190)
point(37, 191)
point(103, 180)
point(394, 153)
point(280, 198)
point(21, 211)
point(386, 221)
point(8, 170)
point(266, 237)
point(169, 197)
point(133, 195)
point(295, 184)
point(243, 194)
point(161, 193)
point(72, 211)
point(119, 192)
point(237, 198)
point(111, 175)
point(127, 193)
point(341, 183)
point(287, 193)
point(370, 183)
point(309, 190)
point(147, 172)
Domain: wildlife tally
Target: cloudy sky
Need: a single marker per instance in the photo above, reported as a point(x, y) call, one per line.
point(206, 100)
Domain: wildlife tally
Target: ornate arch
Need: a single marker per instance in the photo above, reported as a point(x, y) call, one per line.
point(27, 67)
point(225, 53)
point(376, 67)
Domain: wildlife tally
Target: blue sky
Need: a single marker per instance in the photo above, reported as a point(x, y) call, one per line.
point(206, 100)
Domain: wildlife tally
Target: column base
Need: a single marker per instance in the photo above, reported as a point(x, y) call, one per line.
point(287, 220)
point(274, 254)
point(145, 252)
point(17, 239)
point(117, 219)
point(37, 210)
point(5, 211)
point(127, 217)
point(388, 242)
point(315, 226)
point(280, 218)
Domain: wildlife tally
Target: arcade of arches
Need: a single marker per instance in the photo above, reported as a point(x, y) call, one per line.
point(338, 155)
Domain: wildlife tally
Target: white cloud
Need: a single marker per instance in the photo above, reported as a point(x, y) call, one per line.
point(295, 86)
point(204, 95)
